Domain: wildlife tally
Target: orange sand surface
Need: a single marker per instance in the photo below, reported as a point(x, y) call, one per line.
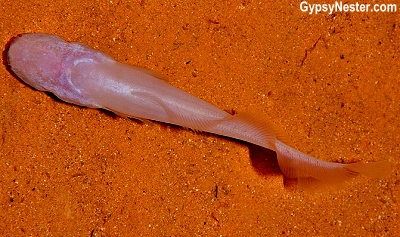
point(331, 81)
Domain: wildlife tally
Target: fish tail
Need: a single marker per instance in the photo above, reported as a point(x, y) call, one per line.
point(376, 170)
point(313, 173)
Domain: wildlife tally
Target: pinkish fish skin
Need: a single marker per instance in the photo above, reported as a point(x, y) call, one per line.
point(80, 75)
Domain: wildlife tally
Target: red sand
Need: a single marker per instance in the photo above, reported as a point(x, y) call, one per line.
point(331, 81)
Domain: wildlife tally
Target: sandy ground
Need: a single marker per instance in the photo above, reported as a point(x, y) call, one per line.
point(331, 81)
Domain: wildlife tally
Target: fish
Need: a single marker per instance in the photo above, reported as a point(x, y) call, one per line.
point(81, 75)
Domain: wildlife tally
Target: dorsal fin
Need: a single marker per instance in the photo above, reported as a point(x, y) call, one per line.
point(265, 126)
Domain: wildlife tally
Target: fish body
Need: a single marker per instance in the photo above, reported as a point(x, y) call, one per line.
point(81, 75)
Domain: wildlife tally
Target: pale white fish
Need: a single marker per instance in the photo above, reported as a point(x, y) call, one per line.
point(80, 75)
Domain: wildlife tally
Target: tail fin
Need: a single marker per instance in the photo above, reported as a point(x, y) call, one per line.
point(313, 173)
point(376, 170)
